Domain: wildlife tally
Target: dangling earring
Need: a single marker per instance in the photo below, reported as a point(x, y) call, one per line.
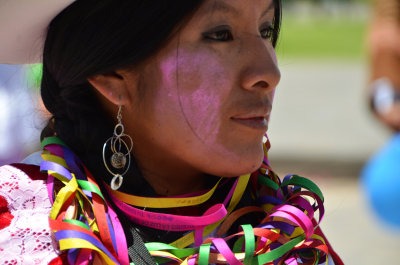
point(121, 153)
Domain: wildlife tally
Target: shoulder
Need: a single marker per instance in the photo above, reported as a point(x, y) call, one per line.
point(20, 183)
point(25, 236)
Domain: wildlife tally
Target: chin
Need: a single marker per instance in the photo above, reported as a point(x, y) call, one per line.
point(253, 166)
point(244, 165)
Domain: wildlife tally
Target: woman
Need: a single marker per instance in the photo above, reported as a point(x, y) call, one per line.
point(157, 107)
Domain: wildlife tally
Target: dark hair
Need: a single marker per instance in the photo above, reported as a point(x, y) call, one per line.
point(92, 37)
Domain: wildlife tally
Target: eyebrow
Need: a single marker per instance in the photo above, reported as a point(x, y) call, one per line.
point(224, 7)
point(269, 8)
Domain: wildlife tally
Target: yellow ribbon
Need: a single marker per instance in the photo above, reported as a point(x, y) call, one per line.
point(237, 195)
point(139, 201)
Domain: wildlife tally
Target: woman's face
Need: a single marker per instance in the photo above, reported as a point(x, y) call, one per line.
point(204, 100)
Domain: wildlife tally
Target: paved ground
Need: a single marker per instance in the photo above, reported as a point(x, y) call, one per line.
point(320, 109)
point(351, 227)
point(321, 128)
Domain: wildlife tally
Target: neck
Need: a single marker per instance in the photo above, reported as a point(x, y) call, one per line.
point(173, 184)
point(169, 176)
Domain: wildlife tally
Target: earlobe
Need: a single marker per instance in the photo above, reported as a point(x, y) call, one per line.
point(112, 86)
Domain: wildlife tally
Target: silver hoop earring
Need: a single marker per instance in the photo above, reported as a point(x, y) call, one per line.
point(120, 159)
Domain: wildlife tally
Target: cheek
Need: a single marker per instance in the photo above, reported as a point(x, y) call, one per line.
point(198, 85)
point(275, 60)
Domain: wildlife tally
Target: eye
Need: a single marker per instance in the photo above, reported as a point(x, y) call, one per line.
point(222, 33)
point(267, 32)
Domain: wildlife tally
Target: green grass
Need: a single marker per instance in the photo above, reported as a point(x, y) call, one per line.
point(322, 38)
point(35, 75)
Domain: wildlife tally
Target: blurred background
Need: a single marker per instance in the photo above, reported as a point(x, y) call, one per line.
point(321, 126)
point(22, 115)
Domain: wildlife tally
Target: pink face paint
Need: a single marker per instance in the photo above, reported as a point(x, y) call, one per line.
point(196, 91)
point(199, 85)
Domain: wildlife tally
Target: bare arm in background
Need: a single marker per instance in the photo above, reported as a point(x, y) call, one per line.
point(384, 51)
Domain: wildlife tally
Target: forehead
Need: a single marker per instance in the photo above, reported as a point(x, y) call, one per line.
point(237, 7)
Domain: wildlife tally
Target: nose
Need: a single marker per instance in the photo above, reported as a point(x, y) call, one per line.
point(260, 68)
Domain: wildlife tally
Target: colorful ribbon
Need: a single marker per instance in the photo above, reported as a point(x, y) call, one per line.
point(86, 226)
point(84, 223)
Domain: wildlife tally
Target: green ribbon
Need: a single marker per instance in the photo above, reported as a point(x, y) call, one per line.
point(279, 252)
point(52, 140)
point(296, 180)
point(250, 246)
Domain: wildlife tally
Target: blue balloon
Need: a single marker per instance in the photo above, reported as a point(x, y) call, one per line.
point(381, 181)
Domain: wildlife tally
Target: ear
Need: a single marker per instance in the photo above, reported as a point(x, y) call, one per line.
point(113, 86)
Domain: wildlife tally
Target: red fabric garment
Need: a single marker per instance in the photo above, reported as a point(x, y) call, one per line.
point(5, 215)
point(32, 171)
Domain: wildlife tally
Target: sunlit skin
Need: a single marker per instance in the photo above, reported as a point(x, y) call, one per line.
point(201, 105)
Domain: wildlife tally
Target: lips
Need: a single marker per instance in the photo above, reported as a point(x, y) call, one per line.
point(256, 119)
point(259, 123)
